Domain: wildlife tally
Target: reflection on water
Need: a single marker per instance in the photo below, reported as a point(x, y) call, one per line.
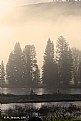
point(39, 91)
point(21, 91)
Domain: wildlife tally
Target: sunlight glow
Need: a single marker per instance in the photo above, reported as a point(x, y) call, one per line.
point(7, 2)
point(6, 6)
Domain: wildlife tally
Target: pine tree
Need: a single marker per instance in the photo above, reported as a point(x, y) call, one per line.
point(31, 74)
point(49, 66)
point(27, 66)
point(14, 67)
point(64, 60)
point(70, 66)
point(2, 74)
point(10, 69)
point(18, 64)
point(76, 54)
point(79, 75)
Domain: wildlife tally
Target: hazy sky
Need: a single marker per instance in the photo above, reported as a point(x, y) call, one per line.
point(19, 26)
point(21, 2)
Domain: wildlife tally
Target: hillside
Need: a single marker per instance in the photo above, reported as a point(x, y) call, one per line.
point(52, 9)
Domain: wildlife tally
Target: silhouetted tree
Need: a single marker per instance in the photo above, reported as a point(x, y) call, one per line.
point(2, 74)
point(64, 60)
point(31, 73)
point(76, 54)
point(9, 69)
point(35, 68)
point(49, 66)
point(36, 74)
point(79, 75)
point(70, 66)
point(14, 66)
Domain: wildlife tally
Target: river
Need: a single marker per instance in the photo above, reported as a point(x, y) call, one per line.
point(39, 91)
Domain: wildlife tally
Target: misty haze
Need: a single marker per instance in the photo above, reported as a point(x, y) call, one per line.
point(40, 60)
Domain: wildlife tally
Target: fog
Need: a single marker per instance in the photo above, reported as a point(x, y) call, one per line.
point(34, 24)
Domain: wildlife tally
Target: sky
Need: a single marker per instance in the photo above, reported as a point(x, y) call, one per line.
point(34, 28)
point(21, 2)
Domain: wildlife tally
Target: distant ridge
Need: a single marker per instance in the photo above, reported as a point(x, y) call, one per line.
point(55, 4)
point(52, 9)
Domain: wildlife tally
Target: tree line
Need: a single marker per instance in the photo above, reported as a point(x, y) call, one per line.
point(61, 66)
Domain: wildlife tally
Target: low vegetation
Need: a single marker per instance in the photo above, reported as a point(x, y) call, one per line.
point(46, 113)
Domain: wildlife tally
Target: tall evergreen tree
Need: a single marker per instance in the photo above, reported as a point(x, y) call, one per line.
point(31, 73)
point(9, 69)
point(79, 75)
point(70, 66)
point(2, 74)
point(14, 66)
point(27, 65)
point(35, 69)
point(76, 54)
point(18, 63)
point(49, 66)
point(64, 60)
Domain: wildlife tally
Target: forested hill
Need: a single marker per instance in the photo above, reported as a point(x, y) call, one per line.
point(52, 9)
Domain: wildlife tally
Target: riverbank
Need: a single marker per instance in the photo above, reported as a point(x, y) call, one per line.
point(33, 98)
